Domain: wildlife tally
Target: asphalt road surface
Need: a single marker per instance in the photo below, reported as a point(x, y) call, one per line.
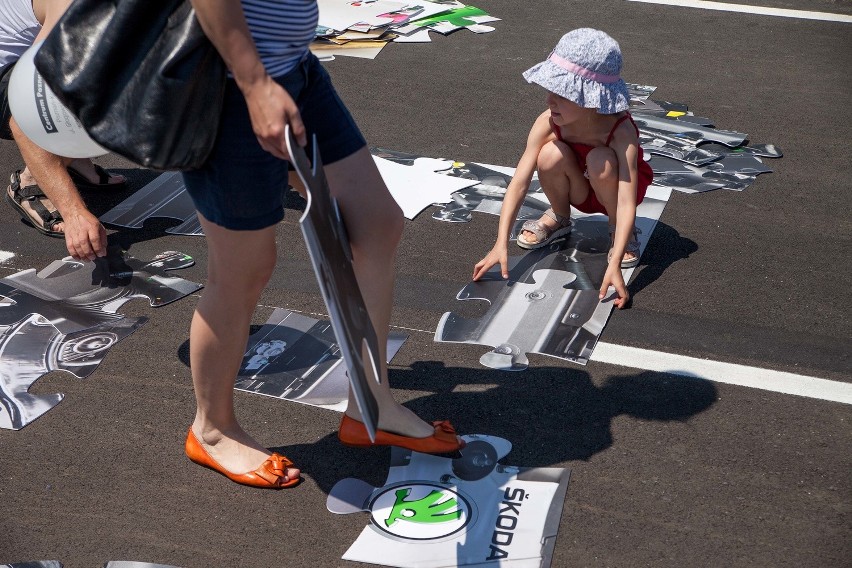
point(666, 470)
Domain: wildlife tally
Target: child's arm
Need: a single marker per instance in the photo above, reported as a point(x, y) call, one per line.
point(539, 134)
point(625, 143)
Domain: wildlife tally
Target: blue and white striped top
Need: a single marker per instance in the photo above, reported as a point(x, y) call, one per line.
point(282, 31)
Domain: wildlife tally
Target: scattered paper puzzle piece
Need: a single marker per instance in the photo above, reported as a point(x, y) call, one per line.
point(549, 304)
point(448, 22)
point(131, 564)
point(687, 131)
point(415, 188)
point(165, 196)
point(296, 358)
point(436, 512)
point(35, 564)
point(693, 179)
point(761, 150)
point(675, 148)
point(76, 295)
point(485, 196)
point(639, 92)
point(34, 347)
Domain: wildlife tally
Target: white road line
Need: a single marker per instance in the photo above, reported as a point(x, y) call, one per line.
point(730, 373)
point(762, 10)
point(5, 255)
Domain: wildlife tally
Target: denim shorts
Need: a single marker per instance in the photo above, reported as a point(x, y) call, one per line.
point(242, 186)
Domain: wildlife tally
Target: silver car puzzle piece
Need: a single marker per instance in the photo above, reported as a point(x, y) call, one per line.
point(759, 150)
point(694, 179)
point(549, 304)
point(331, 256)
point(693, 133)
point(34, 347)
point(75, 295)
point(64, 318)
point(296, 358)
point(471, 510)
point(35, 564)
point(166, 197)
point(677, 149)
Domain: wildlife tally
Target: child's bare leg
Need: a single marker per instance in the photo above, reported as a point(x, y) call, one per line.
point(374, 224)
point(602, 165)
point(562, 181)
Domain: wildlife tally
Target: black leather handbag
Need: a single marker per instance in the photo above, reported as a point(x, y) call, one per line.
point(141, 77)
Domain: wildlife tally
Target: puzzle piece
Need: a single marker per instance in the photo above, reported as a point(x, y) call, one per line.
point(693, 179)
point(36, 564)
point(675, 148)
point(639, 92)
point(331, 257)
point(34, 347)
point(436, 511)
point(75, 295)
point(165, 196)
point(550, 303)
point(761, 150)
point(297, 358)
point(485, 197)
point(450, 21)
point(131, 564)
point(687, 131)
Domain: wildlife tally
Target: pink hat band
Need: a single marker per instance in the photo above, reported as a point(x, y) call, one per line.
point(582, 71)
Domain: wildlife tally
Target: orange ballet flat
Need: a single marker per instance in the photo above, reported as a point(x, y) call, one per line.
point(272, 474)
point(443, 441)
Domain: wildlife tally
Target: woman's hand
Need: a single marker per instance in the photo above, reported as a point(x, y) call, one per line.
point(271, 108)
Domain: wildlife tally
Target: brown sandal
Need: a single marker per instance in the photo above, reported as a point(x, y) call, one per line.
point(35, 213)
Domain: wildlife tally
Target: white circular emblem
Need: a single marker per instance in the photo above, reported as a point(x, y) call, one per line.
point(420, 511)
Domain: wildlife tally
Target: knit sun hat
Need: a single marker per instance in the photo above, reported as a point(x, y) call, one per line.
point(585, 68)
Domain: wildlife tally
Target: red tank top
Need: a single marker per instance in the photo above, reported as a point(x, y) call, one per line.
point(646, 174)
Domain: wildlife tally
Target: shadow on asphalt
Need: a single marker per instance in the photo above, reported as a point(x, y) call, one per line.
point(551, 415)
point(665, 247)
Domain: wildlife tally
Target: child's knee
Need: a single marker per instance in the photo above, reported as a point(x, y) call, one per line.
point(553, 157)
point(602, 164)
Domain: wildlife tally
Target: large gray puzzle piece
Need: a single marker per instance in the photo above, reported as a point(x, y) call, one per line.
point(760, 150)
point(331, 257)
point(74, 295)
point(676, 148)
point(731, 172)
point(34, 347)
point(694, 133)
point(131, 564)
point(296, 358)
point(436, 512)
point(35, 564)
point(549, 304)
point(165, 196)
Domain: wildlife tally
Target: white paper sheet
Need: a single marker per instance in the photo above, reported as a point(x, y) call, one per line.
point(416, 188)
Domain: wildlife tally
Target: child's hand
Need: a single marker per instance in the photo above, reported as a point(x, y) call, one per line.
point(497, 255)
point(614, 278)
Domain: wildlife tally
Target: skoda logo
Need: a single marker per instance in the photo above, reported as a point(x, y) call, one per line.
point(420, 511)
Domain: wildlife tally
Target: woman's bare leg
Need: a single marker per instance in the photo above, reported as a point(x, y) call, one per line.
point(239, 266)
point(374, 224)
